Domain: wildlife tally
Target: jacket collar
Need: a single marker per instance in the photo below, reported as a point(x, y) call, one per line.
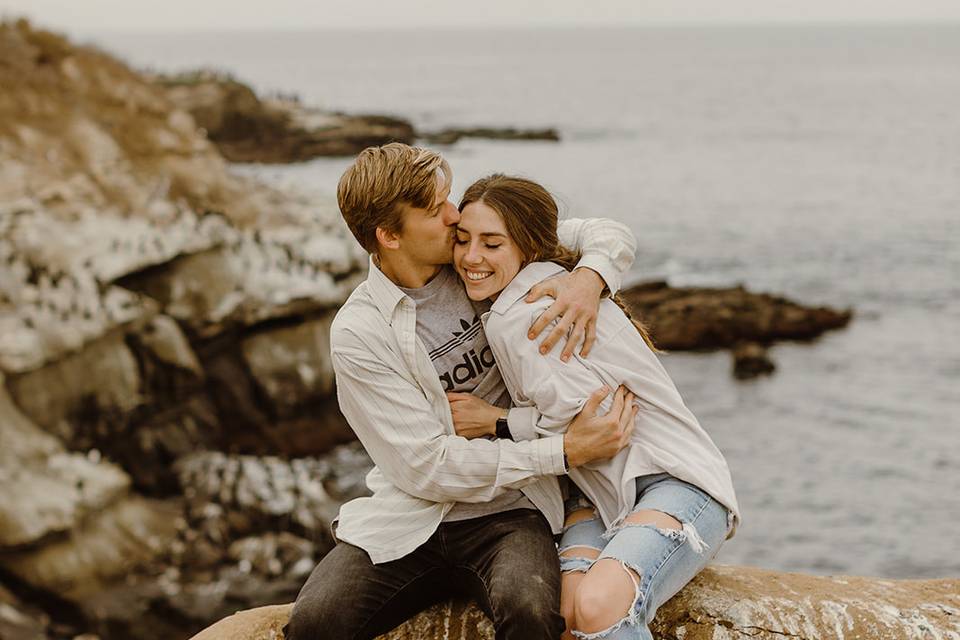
point(523, 282)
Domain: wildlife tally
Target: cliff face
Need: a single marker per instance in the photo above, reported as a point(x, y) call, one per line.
point(161, 321)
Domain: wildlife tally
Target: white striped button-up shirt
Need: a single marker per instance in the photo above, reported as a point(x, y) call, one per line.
point(391, 396)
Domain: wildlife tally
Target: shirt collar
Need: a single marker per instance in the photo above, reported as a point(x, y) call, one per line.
point(386, 295)
point(522, 283)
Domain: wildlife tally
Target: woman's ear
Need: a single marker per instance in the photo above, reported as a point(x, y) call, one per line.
point(387, 239)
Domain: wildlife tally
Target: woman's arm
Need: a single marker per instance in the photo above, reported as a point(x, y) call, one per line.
point(555, 391)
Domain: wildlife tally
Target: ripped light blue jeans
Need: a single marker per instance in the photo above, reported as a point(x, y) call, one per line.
point(665, 559)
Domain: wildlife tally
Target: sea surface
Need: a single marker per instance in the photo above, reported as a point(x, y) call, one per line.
point(819, 162)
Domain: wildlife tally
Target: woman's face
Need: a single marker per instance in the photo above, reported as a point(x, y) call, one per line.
point(483, 254)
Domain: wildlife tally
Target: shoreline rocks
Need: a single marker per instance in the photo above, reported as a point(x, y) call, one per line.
point(454, 135)
point(247, 128)
point(279, 130)
point(702, 319)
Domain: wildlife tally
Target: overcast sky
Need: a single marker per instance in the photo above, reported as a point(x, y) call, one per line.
point(84, 16)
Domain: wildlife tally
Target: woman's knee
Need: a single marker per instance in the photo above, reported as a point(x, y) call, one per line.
point(606, 595)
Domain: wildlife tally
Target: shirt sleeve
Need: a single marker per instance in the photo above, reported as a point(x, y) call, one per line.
point(416, 450)
point(606, 246)
point(523, 423)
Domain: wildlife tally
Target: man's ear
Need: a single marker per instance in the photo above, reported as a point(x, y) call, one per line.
point(387, 239)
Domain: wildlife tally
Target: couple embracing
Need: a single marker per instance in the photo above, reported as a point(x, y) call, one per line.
point(569, 492)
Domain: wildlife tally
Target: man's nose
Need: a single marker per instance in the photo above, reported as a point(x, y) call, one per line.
point(451, 215)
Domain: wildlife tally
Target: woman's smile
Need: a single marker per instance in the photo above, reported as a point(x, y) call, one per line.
point(484, 255)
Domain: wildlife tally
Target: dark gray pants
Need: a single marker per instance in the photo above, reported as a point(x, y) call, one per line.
point(506, 561)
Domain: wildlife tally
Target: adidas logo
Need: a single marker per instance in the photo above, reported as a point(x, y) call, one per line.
point(472, 366)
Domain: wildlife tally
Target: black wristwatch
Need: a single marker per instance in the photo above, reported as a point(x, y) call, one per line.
point(503, 429)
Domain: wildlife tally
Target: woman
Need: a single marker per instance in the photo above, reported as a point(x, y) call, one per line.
point(644, 523)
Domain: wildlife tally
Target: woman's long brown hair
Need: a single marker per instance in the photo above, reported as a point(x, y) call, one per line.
point(530, 214)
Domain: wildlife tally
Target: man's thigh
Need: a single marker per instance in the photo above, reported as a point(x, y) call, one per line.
point(347, 596)
point(515, 559)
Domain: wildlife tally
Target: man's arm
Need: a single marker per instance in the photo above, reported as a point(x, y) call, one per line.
point(607, 251)
point(606, 246)
point(398, 428)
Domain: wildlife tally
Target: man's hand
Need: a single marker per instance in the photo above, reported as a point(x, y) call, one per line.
point(592, 437)
point(473, 417)
point(576, 302)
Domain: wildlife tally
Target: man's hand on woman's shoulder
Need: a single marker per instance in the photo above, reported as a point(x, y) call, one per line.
point(576, 303)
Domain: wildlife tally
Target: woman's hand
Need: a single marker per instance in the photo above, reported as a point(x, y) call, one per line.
point(473, 417)
point(576, 302)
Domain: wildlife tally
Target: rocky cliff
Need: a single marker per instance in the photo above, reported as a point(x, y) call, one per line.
point(163, 325)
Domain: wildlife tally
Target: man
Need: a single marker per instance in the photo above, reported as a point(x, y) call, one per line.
point(448, 515)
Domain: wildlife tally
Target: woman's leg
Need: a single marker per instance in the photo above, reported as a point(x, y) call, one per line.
point(674, 531)
point(580, 545)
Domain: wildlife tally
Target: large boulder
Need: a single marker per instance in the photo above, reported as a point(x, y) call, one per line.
point(722, 603)
point(686, 318)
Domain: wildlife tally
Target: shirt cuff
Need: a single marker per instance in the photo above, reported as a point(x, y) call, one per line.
point(522, 422)
point(604, 268)
point(549, 452)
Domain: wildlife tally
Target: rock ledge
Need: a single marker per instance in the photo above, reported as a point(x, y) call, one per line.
point(722, 603)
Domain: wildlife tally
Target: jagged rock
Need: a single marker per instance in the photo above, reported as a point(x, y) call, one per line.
point(230, 496)
point(19, 621)
point(248, 129)
point(685, 318)
point(162, 337)
point(46, 490)
point(104, 548)
point(82, 389)
point(750, 360)
point(291, 365)
point(261, 276)
point(722, 603)
point(454, 135)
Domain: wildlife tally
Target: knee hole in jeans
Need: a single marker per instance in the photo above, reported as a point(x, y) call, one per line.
point(607, 597)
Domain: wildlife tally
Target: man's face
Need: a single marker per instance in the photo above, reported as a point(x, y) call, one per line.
point(428, 234)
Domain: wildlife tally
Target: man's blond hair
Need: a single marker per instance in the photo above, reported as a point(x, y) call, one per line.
point(381, 180)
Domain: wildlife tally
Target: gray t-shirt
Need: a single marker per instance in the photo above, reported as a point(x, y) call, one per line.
point(448, 324)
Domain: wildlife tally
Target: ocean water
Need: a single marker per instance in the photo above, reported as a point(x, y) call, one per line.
point(821, 162)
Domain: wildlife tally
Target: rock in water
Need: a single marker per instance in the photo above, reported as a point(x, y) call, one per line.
point(750, 360)
point(693, 318)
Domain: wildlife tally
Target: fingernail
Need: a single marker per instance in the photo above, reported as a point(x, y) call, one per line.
point(564, 357)
point(543, 350)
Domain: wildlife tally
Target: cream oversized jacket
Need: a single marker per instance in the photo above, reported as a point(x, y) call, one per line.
point(666, 437)
point(393, 399)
